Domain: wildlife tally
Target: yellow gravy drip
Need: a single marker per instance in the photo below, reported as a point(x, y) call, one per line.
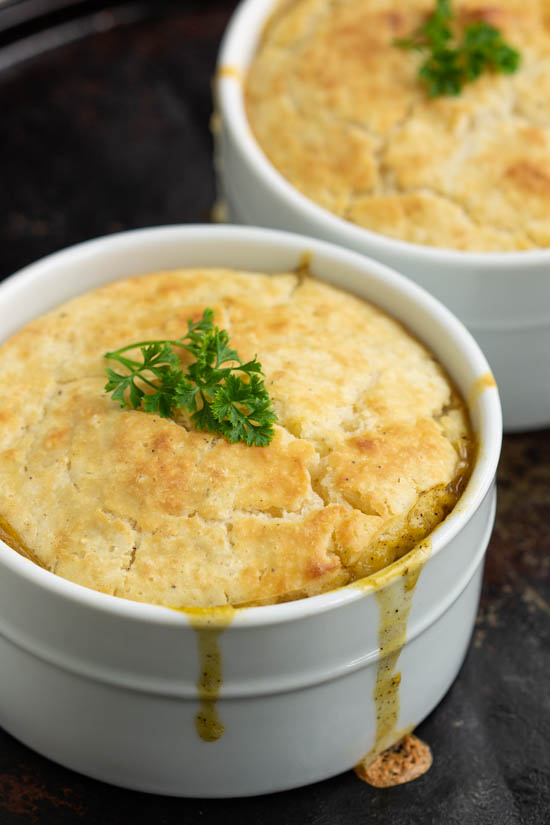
point(230, 71)
point(209, 624)
point(303, 267)
point(394, 602)
point(481, 384)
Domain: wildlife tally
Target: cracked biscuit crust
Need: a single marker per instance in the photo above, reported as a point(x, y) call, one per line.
point(339, 111)
point(370, 442)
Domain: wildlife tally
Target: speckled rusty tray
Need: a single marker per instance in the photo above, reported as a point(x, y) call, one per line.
point(105, 112)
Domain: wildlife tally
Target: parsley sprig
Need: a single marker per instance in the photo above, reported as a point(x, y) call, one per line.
point(221, 393)
point(447, 66)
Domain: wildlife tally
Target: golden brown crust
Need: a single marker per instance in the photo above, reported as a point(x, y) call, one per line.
point(337, 107)
point(150, 509)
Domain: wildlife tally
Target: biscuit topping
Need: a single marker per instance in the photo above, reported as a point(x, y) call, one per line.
point(337, 108)
point(368, 454)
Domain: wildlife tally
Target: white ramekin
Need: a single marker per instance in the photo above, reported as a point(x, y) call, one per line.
point(503, 298)
point(109, 687)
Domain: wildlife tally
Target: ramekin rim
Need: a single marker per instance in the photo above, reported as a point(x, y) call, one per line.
point(482, 477)
point(230, 92)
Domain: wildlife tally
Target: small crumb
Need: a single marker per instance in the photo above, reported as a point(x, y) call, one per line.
point(479, 638)
point(219, 212)
point(406, 760)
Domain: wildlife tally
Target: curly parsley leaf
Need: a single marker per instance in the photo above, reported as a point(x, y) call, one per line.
point(434, 33)
point(221, 393)
point(447, 67)
point(243, 409)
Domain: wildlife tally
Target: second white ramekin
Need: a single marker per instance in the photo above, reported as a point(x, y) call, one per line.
point(108, 687)
point(503, 298)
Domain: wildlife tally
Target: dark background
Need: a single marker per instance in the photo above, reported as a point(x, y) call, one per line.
point(105, 126)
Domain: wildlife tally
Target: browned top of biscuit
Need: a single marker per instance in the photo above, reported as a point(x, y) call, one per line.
point(338, 108)
point(150, 509)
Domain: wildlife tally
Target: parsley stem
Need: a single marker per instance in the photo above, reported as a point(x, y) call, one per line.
point(130, 363)
point(135, 369)
point(116, 353)
point(146, 380)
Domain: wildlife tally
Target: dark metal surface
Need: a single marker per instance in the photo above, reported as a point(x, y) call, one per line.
point(106, 128)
